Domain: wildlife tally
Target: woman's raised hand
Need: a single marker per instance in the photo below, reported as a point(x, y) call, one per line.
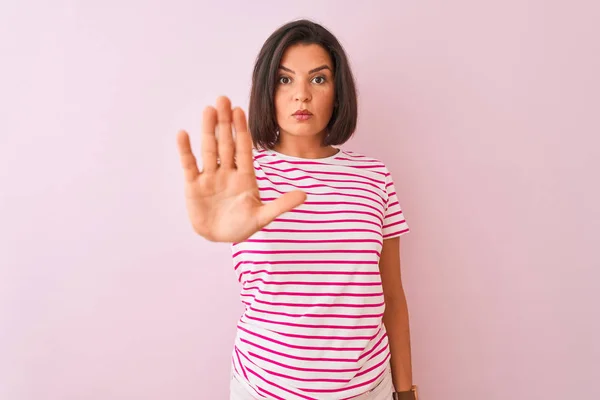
point(222, 199)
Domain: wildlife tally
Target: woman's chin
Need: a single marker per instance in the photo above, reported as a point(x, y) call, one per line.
point(302, 131)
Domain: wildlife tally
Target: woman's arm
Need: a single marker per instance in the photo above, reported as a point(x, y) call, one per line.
point(395, 317)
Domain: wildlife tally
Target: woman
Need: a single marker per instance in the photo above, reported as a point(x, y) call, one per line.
point(319, 262)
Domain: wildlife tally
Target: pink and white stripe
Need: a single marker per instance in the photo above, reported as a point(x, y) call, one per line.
point(312, 327)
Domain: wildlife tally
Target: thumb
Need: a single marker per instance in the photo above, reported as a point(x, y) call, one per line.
point(269, 211)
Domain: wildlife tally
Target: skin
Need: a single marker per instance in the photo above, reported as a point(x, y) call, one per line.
point(305, 81)
point(395, 316)
point(222, 197)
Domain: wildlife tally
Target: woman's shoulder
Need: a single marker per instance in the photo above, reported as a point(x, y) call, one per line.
point(360, 157)
point(343, 154)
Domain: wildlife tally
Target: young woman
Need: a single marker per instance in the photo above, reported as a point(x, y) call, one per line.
point(314, 230)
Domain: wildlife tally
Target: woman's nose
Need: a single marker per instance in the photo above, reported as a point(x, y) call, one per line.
point(302, 92)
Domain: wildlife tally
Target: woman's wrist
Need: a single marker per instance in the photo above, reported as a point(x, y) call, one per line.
point(410, 394)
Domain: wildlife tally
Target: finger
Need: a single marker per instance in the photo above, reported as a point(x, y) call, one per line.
point(225, 144)
point(187, 158)
point(209, 140)
point(268, 212)
point(243, 142)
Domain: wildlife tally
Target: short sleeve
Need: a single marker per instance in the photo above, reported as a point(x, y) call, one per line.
point(394, 223)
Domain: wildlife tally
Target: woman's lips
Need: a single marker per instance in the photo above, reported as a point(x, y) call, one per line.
point(302, 117)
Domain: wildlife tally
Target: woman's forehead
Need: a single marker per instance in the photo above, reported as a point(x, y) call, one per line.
point(305, 57)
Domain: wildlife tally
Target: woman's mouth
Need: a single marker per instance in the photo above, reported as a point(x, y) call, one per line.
point(302, 117)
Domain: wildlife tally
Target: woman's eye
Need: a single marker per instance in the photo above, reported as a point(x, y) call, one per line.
point(319, 80)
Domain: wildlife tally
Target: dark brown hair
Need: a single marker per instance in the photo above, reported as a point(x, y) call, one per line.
point(262, 119)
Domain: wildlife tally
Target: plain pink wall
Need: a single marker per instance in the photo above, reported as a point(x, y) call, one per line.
point(486, 113)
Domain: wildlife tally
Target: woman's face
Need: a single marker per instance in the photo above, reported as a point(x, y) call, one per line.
point(305, 82)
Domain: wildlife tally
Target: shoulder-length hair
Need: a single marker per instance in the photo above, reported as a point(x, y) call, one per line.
point(262, 119)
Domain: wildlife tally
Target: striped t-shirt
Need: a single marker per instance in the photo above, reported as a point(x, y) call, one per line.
point(312, 327)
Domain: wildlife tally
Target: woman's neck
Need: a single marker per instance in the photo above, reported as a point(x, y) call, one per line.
point(304, 149)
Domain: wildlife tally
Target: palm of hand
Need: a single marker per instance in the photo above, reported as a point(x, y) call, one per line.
point(223, 200)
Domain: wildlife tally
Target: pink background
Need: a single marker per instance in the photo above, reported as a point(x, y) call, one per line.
point(487, 113)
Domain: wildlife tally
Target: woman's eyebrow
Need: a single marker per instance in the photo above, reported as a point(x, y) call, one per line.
point(310, 72)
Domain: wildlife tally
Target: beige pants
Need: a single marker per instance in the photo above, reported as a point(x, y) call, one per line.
point(383, 390)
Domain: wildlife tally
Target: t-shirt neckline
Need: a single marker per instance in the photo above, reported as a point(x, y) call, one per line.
point(278, 154)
